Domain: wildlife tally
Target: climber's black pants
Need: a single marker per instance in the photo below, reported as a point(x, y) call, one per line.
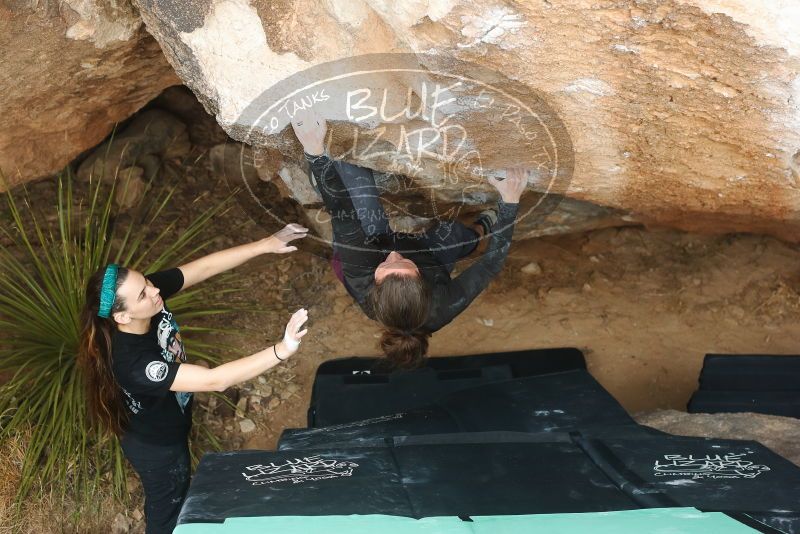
point(448, 241)
point(164, 471)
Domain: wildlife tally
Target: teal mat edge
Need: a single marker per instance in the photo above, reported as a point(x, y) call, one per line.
point(653, 520)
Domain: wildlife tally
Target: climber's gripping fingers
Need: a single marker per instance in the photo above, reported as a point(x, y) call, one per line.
point(512, 187)
point(310, 130)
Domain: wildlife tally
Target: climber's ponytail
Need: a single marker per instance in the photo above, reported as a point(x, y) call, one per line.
point(400, 303)
point(104, 396)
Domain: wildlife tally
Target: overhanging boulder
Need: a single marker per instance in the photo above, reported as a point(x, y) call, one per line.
point(680, 112)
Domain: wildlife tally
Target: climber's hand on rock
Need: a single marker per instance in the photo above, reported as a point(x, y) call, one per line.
point(513, 186)
point(310, 130)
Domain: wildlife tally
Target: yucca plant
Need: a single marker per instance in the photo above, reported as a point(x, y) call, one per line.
point(41, 293)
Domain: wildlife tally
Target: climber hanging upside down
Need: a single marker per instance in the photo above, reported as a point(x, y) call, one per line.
point(403, 280)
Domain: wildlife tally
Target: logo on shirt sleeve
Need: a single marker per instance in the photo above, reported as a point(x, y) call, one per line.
point(156, 371)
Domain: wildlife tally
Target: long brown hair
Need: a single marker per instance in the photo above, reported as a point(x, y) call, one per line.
point(106, 408)
point(400, 303)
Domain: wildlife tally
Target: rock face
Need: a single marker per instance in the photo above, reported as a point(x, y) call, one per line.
point(668, 112)
point(70, 71)
point(781, 434)
point(151, 137)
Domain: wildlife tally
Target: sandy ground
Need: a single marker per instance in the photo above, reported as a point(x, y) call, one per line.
point(644, 307)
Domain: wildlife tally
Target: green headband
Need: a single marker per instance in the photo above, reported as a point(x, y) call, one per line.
point(108, 293)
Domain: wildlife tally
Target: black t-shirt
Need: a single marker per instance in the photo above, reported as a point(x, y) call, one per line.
point(145, 366)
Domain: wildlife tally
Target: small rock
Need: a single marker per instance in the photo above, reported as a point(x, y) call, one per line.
point(586, 288)
point(130, 188)
point(266, 390)
point(137, 515)
point(542, 292)
point(246, 426)
point(254, 400)
point(532, 269)
point(737, 312)
point(594, 259)
point(241, 407)
point(262, 380)
point(486, 322)
point(274, 402)
point(121, 524)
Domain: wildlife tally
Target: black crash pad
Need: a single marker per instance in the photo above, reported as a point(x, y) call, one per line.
point(748, 383)
point(496, 474)
point(415, 481)
point(353, 389)
point(496, 444)
point(559, 402)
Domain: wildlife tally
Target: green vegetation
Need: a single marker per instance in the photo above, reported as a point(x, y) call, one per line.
point(42, 283)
